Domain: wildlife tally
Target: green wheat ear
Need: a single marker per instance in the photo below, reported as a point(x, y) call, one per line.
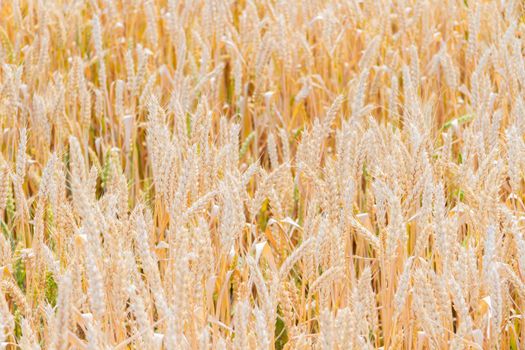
point(19, 269)
point(246, 144)
point(459, 120)
point(18, 323)
point(10, 203)
point(104, 176)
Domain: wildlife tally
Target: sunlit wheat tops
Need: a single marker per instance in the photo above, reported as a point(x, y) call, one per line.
point(262, 174)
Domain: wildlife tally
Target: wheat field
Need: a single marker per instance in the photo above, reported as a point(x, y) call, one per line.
point(262, 174)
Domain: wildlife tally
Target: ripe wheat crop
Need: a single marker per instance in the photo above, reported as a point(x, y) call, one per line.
point(262, 174)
